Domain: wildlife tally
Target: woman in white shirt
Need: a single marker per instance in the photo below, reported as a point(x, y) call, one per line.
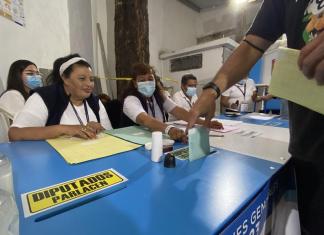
point(22, 77)
point(67, 107)
point(145, 104)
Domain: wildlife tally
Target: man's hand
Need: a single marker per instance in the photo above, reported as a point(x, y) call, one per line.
point(205, 106)
point(311, 59)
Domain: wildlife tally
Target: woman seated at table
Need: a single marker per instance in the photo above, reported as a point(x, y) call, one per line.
point(67, 107)
point(23, 76)
point(145, 104)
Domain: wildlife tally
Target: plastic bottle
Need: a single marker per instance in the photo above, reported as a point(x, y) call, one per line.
point(9, 219)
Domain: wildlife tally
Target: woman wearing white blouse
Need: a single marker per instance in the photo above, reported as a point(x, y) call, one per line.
point(67, 107)
point(145, 104)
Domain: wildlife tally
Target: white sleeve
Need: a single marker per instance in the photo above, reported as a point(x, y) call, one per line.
point(177, 99)
point(104, 119)
point(34, 113)
point(133, 107)
point(252, 84)
point(169, 104)
point(12, 102)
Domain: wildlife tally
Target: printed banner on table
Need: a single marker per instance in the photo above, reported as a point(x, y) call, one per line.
point(74, 190)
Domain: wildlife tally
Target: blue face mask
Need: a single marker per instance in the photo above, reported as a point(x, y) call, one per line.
point(146, 88)
point(191, 91)
point(33, 81)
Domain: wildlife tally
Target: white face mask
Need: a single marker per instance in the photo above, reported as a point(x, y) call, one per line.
point(146, 88)
point(191, 91)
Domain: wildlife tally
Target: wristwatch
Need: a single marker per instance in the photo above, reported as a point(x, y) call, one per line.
point(214, 87)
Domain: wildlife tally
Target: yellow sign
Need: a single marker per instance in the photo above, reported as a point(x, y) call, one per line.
point(46, 198)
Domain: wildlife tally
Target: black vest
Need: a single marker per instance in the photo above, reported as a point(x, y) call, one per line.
point(57, 100)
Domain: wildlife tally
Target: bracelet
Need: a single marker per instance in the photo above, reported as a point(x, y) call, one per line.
point(254, 46)
point(214, 87)
point(168, 128)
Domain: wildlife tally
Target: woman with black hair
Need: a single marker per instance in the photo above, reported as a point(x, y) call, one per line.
point(145, 104)
point(67, 107)
point(23, 76)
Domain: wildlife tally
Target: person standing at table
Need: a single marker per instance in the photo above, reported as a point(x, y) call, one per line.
point(302, 22)
point(23, 76)
point(146, 104)
point(67, 107)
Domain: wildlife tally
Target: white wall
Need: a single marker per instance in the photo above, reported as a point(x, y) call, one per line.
point(171, 27)
point(44, 38)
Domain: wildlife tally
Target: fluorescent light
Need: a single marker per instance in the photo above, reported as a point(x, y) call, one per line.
point(240, 1)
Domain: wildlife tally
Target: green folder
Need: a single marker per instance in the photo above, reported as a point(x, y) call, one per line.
point(288, 82)
point(134, 134)
point(198, 143)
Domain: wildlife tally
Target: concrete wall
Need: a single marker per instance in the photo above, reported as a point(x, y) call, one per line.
point(45, 37)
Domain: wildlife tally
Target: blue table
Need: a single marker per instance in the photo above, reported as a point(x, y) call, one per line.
point(200, 197)
point(276, 121)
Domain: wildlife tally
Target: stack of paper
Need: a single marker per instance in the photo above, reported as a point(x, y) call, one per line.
point(289, 83)
point(76, 150)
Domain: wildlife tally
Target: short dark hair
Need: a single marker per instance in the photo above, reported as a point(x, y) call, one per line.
point(14, 81)
point(141, 69)
point(185, 78)
point(55, 77)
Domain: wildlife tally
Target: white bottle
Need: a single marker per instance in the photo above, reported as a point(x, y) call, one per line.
point(9, 219)
point(6, 182)
point(157, 147)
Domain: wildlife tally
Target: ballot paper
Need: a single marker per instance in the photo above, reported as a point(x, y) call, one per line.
point(198, 143)
point(288, 82)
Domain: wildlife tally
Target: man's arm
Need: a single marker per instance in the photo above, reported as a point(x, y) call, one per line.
point(234, 69)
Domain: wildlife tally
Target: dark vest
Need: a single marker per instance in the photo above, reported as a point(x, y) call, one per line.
point(57, 100)
point(125, 121)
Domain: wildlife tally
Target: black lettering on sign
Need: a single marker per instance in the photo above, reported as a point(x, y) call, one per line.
point(107, 175)
point(100, 177)
point(103, 183)
point(64, 196)
point(74, 193)
point(53, 191)
point(74, 185)
point(55, 199)
point(65, 188)
point(85, 189)
point(92, 179)
point(83, 182)
point(38, 196)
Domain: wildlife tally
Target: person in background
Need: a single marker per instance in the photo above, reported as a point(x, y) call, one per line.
point(187, 96)
point(23, 76)
point(67, 107)
point(146, 104)
point(301, 21)
point(242, 96)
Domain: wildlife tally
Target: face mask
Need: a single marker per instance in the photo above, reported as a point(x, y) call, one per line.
point(33, 81)
point(146, 88)
point(191, 91)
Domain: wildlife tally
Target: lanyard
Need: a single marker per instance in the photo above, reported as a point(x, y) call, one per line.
point(243, 92)
point(186, 99)
point(151, 106)
point(77, 115)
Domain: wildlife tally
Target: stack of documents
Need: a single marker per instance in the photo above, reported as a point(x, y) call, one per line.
point(76, 150)
point(288, 82)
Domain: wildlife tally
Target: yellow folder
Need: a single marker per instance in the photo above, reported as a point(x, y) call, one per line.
point(76, 150)
point(288, 82)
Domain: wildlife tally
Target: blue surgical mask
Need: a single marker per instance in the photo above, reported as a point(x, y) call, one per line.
point(33, 81)
point(191, 91)
point(146, 88)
